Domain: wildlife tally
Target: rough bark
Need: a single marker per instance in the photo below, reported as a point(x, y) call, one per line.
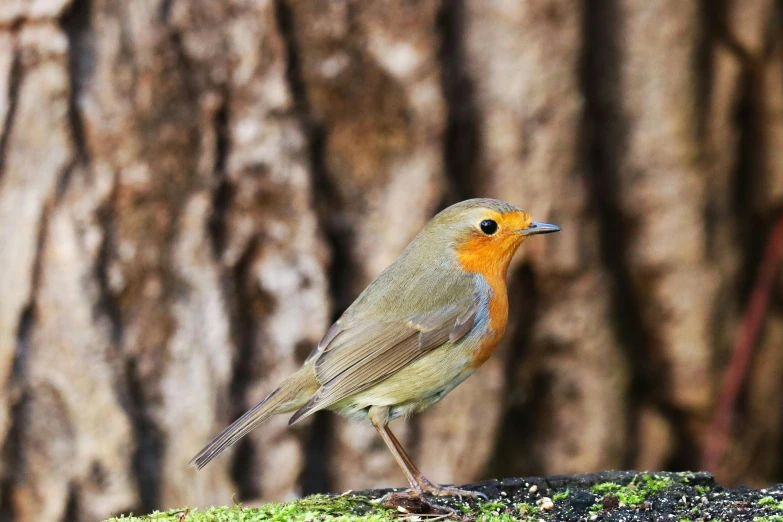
point(191, 191)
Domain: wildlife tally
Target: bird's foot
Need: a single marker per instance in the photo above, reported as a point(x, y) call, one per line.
point(413, 501)
point(427, 487)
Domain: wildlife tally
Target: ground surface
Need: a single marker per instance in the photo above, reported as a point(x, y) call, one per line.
point(609, 496)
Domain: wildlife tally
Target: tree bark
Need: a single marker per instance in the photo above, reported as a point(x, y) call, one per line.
point(190, 192)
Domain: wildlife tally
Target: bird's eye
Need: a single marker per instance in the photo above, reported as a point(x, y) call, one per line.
point(488, 226)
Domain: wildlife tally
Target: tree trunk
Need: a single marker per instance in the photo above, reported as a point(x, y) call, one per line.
point(190, 192)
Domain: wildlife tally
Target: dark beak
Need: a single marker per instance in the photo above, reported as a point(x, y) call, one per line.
point(539, 228)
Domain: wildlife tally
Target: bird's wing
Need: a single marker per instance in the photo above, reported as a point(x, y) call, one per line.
point(356, 354)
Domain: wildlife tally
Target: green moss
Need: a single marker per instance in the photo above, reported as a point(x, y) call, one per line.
point(635, 492)
point(496, 512)
point(771, 503)
point(773, 518)
point(336, 509)
point(561, 496)
point(500, 517)
point(526, 509)
point(322, 508)
point(502, 512)
point(489, 508)
point(686, 476)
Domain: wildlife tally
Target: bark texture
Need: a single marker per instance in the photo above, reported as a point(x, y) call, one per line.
point(191, 191)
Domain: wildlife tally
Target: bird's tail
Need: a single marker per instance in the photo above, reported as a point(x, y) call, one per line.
point(291, 395)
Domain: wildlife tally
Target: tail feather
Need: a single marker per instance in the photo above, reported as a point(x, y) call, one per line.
point(239, 428)
point(292, 394)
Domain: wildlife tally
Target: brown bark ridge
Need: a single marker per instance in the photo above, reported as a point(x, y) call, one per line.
point(191, 191)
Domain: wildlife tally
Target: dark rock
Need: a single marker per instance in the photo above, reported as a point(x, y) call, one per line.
point(582, 500)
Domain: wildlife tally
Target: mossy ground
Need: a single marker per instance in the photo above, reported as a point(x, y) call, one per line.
point(346, 508)
point(607, 497)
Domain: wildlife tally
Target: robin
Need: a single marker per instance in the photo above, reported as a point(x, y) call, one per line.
point(416, 332)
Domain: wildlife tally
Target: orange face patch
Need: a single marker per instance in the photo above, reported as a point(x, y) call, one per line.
point(490, 255)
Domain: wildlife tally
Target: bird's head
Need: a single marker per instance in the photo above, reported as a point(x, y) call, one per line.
point(485, 233)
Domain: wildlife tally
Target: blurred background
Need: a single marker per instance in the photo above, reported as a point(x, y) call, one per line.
point(191, 190)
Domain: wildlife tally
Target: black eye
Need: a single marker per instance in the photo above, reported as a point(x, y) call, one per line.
point(489, 227)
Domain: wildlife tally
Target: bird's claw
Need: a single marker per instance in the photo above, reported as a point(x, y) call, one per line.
point(449, 491)
point(413, 501)
point(481, 495)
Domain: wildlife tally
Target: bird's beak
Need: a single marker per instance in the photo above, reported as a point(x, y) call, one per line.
point(539, 228)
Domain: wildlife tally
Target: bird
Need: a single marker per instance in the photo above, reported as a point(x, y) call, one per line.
point(423, 326)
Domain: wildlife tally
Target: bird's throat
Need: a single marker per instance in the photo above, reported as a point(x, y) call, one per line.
point(493, 269)
point(489, 262)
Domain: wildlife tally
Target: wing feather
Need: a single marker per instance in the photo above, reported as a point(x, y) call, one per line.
point(383, 364)
point(354, 344)
point(365, 352)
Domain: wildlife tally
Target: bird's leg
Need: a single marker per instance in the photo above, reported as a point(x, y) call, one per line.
point(401, 457)
point(418, 482)
point(422, 483)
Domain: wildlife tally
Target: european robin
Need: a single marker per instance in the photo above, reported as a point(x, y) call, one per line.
point(416, 332)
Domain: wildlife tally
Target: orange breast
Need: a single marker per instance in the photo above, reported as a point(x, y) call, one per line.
point(473, 258)
point(498, 317)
